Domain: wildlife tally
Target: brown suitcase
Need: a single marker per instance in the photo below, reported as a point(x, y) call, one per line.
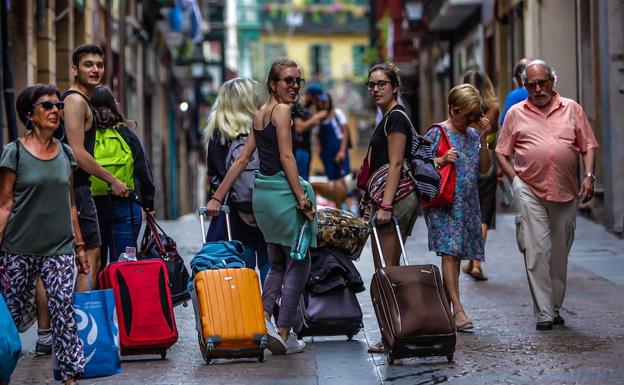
point(412, 310)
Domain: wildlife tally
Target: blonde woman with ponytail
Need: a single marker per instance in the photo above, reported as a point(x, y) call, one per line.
point(231, 117)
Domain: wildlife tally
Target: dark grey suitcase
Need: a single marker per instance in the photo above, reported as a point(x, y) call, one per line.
point(334, 313)
point(412, 310)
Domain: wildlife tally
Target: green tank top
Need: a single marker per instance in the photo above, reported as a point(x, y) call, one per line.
point(40, 221)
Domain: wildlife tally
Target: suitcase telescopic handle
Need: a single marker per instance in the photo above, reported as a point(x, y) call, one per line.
point(202, 213)
point(395, 221)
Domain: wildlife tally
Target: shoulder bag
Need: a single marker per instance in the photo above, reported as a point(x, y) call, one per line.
point(447, 173)
point(420, 165)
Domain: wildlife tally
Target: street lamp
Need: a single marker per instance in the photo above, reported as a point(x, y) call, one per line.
point(201, 81)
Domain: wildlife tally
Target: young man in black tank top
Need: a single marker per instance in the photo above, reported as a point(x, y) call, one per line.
point(88, 71)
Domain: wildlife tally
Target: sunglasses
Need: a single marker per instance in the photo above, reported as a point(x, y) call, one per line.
point(290, 81)
point(470, 116)
point(473, 116)
point(542, 83)
point(47, 105)
point(381, 84)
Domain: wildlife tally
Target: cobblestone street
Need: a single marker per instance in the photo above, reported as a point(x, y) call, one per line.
point(504, 348)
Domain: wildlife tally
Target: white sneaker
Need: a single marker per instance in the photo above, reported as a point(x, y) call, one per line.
point(293, 345)
point(275, 344)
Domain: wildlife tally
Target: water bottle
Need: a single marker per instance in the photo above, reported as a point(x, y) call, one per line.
point(129, 255)
point(300, 243)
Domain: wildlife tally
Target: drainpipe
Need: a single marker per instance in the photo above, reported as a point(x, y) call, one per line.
point(7, 71)
point(173, 177)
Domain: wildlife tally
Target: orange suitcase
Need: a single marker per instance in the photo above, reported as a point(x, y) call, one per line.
point(228, 312)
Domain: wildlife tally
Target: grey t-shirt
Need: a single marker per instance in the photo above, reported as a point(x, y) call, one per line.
point(40, 222)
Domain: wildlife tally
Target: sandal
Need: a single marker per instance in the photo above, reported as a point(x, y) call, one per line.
point(477, 274)
point(465, 325)
point(377, 348)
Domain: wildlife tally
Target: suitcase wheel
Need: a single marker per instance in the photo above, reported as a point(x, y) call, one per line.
point(261, 357)
point(449, 357)
point(184, 304)
point(389, 355)
point(349, 337)
point(163, 355)
point(207, 359)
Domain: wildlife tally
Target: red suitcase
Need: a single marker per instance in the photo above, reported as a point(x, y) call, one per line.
point(412, 310)
point(144, 308)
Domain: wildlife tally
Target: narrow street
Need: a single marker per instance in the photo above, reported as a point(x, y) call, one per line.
point(504, 348)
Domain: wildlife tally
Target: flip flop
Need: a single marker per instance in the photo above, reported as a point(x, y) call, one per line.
point(463, 326)
point(377, 348)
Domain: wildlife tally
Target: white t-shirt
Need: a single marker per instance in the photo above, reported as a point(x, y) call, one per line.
point(340, 118)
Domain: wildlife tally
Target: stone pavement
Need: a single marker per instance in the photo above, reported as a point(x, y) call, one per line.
point(504, 348)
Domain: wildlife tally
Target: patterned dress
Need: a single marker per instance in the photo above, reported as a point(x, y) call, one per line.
point(456, 229)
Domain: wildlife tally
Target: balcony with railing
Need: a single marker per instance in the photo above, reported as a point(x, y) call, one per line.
point(324, 17)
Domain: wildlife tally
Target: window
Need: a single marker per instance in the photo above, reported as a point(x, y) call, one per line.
point(359, 67)
point(320, 61)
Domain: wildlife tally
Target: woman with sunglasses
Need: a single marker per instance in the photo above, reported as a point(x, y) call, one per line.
point(282, 202)
point(455, 230)
point(389, 147)
point(489, 180)
point(39, 231)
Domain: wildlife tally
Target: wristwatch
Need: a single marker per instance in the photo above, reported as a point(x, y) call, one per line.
point(591, 176)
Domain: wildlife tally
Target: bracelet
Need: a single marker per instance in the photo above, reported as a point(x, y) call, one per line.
point(385, 207)
point(216, 199)
point(78, 245)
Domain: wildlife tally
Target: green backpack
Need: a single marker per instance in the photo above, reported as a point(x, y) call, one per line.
point(113, 153)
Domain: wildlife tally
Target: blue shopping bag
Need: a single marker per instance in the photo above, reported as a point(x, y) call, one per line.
point(97, 329)
point(10, 344)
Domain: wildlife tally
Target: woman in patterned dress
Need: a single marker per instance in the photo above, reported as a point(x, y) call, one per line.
point(455, 230)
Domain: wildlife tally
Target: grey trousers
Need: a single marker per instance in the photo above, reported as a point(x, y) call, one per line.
point(285, 282)
point(545, 233)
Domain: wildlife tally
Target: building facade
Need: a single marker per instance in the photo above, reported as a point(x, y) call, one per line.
point(582, 40)
point(141, 43)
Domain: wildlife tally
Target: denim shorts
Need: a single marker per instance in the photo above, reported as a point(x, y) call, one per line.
point(87, 217)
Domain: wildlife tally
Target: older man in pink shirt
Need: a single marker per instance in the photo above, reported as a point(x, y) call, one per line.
point(544, 135)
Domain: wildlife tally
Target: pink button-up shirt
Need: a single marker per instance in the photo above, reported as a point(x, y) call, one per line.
point(546, 147)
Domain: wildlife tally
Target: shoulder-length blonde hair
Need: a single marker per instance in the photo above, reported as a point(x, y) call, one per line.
point(234, 109)
point(481, 81)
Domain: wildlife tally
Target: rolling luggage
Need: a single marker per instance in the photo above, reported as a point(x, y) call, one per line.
point(229, 315)
point(334, 313)
point(329, 305)
point(412, 309)
point(144, 309)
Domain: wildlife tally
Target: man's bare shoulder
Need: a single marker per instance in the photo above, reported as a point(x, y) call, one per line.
point(74, 98)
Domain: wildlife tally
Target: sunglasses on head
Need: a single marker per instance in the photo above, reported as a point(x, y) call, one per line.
point(48, 105)
point(289, 80)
